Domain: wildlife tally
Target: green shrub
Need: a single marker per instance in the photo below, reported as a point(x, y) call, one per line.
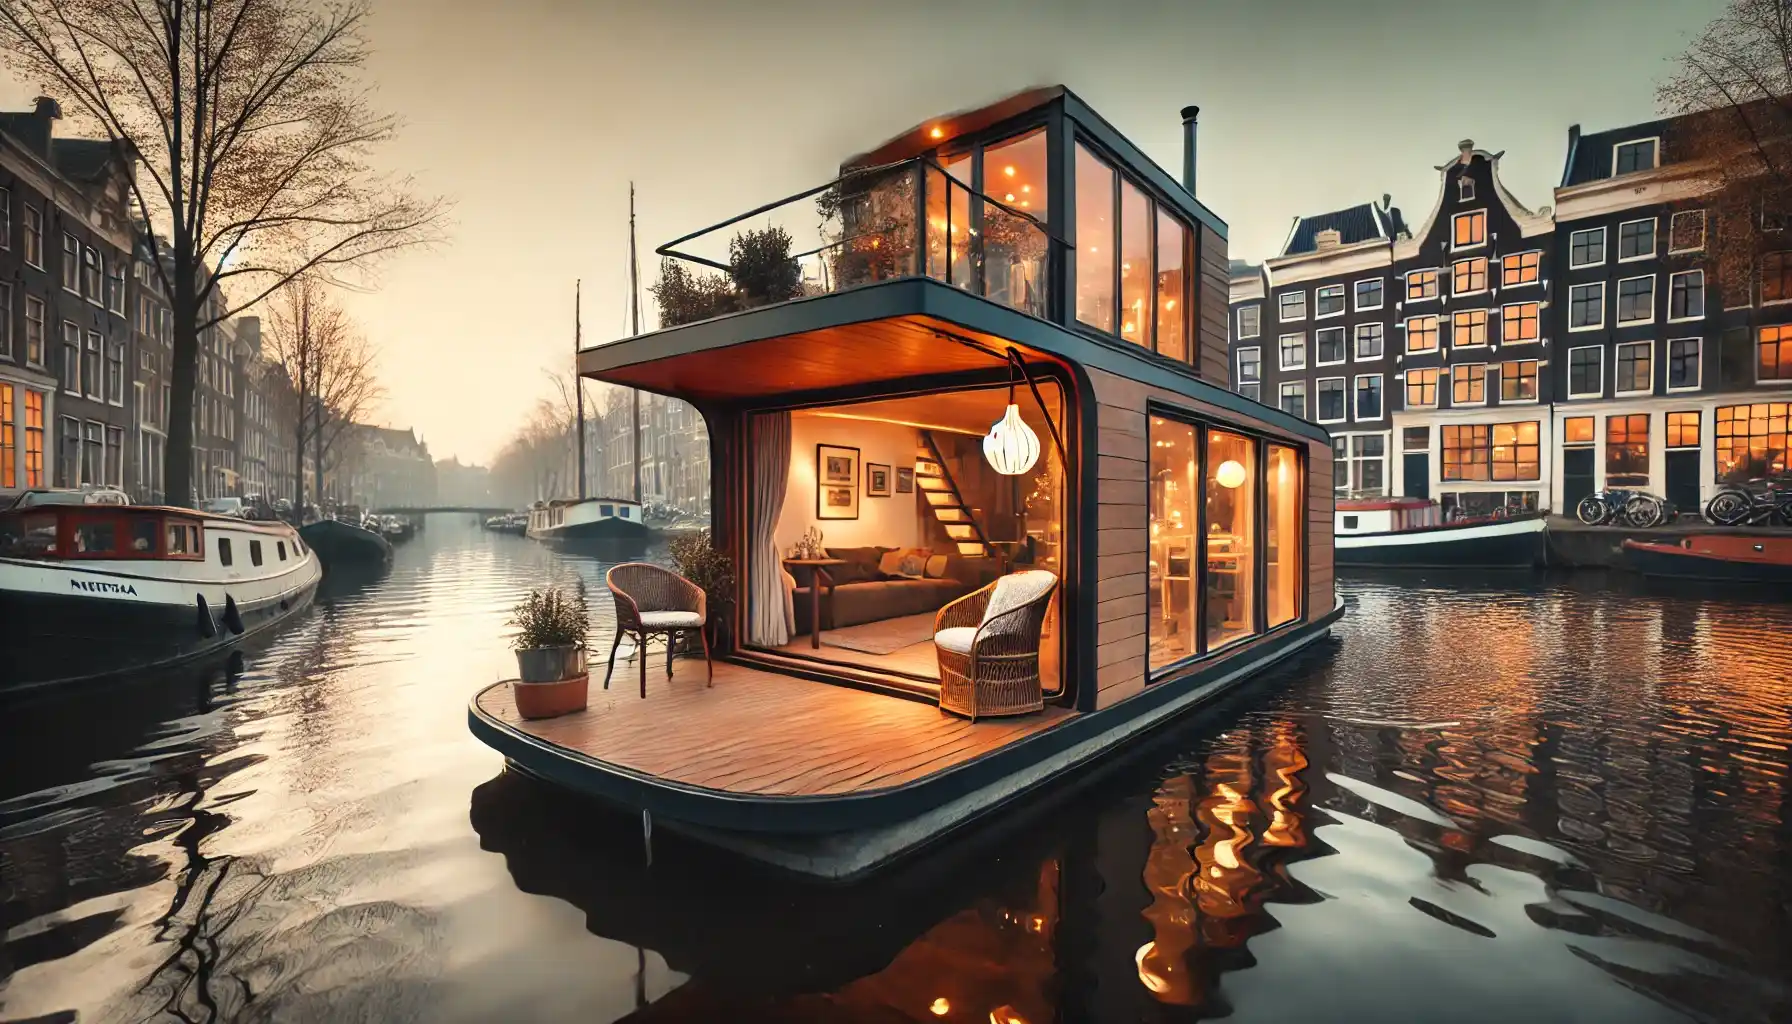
point(551, 618)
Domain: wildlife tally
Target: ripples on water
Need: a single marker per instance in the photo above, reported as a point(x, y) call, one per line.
point(1561, 799)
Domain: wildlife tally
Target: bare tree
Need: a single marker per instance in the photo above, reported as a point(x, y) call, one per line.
point(254, 136)
point(1734, 86)
point(313, 340)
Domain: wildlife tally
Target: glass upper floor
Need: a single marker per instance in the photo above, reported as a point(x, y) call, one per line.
point(1046, 210)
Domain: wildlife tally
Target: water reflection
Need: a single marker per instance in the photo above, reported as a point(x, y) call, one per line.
point(1489, 800)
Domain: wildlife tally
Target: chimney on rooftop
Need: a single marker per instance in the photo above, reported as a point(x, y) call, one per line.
point(1468, 149)
point(1329, 238)
point(1189, 114)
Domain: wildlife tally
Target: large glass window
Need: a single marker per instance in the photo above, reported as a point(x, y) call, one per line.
point(1421, 334)
point(1172, 308)
point(1175, 530)
point(1231, 537)
point(1368, 396)
point(1135, 265)
point(1627, 450)
point(1015, 257)
point(1516, 452)
point(1329, 406)
point(1421, 387)
point(1774, 350)
point(1094, 240)
point(1752, 440)
point(1282, 545)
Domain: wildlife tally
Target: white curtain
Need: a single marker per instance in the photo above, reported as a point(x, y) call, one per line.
point(766, 623)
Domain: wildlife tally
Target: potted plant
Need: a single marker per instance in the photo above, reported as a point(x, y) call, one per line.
point(697, 559)
point(550, 652)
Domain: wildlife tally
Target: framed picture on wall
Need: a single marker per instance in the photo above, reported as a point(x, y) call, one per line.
point(905, 480)
point(836, 482)
point(877, 480)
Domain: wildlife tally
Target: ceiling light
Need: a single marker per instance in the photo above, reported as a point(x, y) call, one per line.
point(936, 133)
point(1009, 198)
point(1009, 170)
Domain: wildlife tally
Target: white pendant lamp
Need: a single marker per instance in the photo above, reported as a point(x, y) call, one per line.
point(1011, 446)
point(1230, 474)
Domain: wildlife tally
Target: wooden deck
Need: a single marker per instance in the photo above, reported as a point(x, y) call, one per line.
point(761, 733)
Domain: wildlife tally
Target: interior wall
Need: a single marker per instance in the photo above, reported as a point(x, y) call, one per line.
point(892, 522)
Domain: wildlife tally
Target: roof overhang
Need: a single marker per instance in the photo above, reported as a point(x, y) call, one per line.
point(899, 333)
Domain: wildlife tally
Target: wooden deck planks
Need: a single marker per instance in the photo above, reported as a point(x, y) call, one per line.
point(764, 733)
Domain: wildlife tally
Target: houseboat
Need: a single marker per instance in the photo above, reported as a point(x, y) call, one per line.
point(92, 590)
point(565, 521)
point(1751, 557)
point(994, 510)
point(339, 543)
point(1414, 533)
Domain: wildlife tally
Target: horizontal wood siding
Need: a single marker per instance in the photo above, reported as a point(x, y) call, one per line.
point(1122, 523)
point(1215, 362)
point(1320, 503)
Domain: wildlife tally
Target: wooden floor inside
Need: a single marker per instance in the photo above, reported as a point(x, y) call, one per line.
point(764, 733)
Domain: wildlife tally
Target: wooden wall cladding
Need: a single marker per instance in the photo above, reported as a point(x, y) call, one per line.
point(1122, 525)
point(1215, 362)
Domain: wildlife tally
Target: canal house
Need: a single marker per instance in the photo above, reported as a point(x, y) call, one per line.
point(999, 359)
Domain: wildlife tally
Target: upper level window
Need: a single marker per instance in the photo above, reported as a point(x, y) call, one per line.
point(90, 275)
point(1250, 365)
point(34, 236)
point(1686, 231)
point(1291, 306)
point(1421, 334)
point(1469, 276)
point(1468, 327)
point(1250, 321)
point(1519, 268)
point(1776, 276)
point(1328, 300)
point(1630, 157)
point(1135, 265)
point(1465, 187)
point(1421, 284)
point(1469, 229)
point(1636, 239)
point(1586, 248)
point(71, 263)
point(1095, 240)
point(1294, 351)
point(1369, 294)
point(1172, 286)
point(1146, 243)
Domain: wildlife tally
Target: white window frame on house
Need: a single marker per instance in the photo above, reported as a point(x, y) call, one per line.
point(1477, 371)
point(1352, 459)
point(1698, 366)
point(1486, 276)
point(1568, 368)
point(1676, 275)
point(1282, 306)
point(1437, 388)
point(1257, 324)
point(93, 286)
point(1381, 398)
point(1437, 286)
point(1252, 391)
point(1282, 393)
point(1381, 339)
point(1617, 360)
point(1343, 399)
point(1516, 259)
point(1506, 318)
point(71, 263)
point(1675, 218)
point(1343, 346)
point(32, 214)
point(5, 218)
point(1324, 291)
point(1654, 226)
point(1536, 382)
point(1255, 350)
point(1618, 305)
point(1465, 188)
point(1456, 342)
point(1600, 262)
point(1654, 143)
point(1468, 245)
point(1282, 352)
point(1600, 325)
point(1356, 293)
point(1437, 334)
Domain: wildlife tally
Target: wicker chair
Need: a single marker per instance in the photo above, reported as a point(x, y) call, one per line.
point(655, 602)
point(988, 646)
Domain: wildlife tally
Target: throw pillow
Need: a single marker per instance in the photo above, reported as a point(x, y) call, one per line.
point(935, 567)
point(891, 563)
point(914, 566)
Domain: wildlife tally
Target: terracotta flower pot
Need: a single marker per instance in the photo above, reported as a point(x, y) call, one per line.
point(546, 700)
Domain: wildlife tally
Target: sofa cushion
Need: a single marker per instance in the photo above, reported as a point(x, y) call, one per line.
point(861, 564)
point(957, 639)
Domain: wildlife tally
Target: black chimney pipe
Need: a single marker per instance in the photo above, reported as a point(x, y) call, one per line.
point(1188, 147)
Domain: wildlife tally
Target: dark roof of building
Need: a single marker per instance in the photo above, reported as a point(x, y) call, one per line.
point(81, 159)
point(1590, 156)
point(1243, 268)
point(920, 139)
point(1354, 224)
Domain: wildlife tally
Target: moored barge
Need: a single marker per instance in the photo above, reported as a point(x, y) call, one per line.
point(1717, 557)
point(1412, 533)
point(994, 509)
point(94, 590)
point(572, 521)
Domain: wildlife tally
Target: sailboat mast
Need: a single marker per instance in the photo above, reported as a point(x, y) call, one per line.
point(578, 384)
point(634, 326)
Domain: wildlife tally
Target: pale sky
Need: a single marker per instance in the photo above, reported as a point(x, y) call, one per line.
point(534, 115)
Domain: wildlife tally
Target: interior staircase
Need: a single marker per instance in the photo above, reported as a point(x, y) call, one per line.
point(935, 482)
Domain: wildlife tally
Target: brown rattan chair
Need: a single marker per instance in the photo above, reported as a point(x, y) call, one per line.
point(655, 602)
point(988, 646)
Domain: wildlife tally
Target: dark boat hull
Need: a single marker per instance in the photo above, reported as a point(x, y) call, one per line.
point(340, 543)
point(1502, 544)
point(1716, 562)
point(61, 638)
point(599, 530)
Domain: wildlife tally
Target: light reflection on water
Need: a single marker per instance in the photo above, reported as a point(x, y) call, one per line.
point(1554, 799)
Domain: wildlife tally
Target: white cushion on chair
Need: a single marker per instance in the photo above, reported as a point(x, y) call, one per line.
point(1017, 589)
point(671, 620)
point(958, 639)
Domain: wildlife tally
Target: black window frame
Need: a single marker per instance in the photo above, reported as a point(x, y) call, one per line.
point(1681, 296)
point(1321, 393)
point(1679, 360)
point(1579, 361)
point(226, 557)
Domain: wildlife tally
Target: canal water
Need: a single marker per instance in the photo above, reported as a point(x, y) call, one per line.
point(1530, 798)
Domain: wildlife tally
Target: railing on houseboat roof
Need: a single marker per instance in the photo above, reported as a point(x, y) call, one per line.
point(898, 220)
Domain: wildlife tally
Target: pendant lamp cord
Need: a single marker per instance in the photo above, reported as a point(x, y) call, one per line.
point(1015, 364)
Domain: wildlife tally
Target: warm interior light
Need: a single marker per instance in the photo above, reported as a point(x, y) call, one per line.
point(1011, 447)
point(1230, 474)
point(1170, 304)
point(1026, 188)
point(936, 133)
point(940, 1007)
point(1024, 204)
point(1009, 198)
point(1009, 170)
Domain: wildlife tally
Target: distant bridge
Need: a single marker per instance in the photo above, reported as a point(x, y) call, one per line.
point(419, 511)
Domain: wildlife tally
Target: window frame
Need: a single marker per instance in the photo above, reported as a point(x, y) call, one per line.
point(1256, 350)
point(1536, 366)
point(1436, 385)
point(1654, 144)
point(1282, 395)
point(1668, 427)
point(71, 259)
point(1599, 362)
point(1282, 351)
point(1784, 257)
point(1456, 274)
point(1780, 342)
point(1356, 293)
point(1356, 341)
point(1436, 334)
point(1456, 342)
point(1599, 325)
point(1703, 297)
point(1535, 319)
point(1282, 298)
point(1436, 284)
point(1320, 291)
point(1343, 347)
point(1343, 399)
point(1476, 375)
point(1257, 328)
point(1618, 304)
point(1618, 351)
point(1536, 268)
point(1381, 398)
point(1675, 216)
point(1654, 242)
point(1572, 235)
point(1698, 365)
point(1465, 188)
point(1473, 216)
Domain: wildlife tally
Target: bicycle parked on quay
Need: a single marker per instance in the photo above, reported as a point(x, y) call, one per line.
point(1618, 507)
point(1760, 502)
